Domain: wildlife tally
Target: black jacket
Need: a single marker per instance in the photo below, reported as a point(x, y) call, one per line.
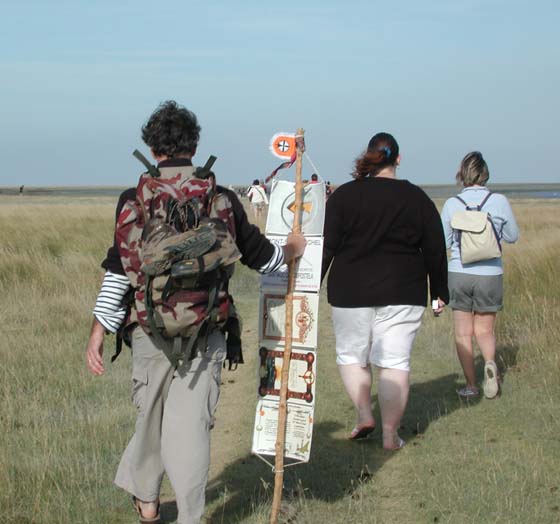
point(383, 238)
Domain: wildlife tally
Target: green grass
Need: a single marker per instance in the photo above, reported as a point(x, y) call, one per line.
point(62, 431)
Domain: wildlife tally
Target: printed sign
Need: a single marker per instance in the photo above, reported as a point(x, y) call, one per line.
point(272, 325)
point(299, 430)
point(281, 209)
point(283, 145)
point(301, 382)
point(308, 276)
point(272, 317)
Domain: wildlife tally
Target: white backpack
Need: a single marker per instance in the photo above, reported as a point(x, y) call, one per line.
point(478, 239)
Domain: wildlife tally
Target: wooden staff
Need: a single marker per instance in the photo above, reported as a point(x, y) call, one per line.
point(289, 302)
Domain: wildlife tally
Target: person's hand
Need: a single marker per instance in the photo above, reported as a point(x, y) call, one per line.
point(441, 304)
point(294, 247)
point(94, 349)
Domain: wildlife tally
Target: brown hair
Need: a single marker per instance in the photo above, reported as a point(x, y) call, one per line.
point(473, 170)
point(382, 151)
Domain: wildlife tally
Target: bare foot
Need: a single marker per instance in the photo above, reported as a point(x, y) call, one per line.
point(147, 510)
point(392, 442)
point(365, 421)
point(363, 428)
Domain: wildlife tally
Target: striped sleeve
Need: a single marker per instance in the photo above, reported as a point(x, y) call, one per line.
point(108, 309)
point(275, 262)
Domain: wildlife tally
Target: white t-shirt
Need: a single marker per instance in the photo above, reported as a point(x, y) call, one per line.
point(257, 195)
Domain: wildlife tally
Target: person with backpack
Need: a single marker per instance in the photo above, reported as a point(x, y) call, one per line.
point(383, 242)
point(257, 197)
point(475, 223)
point(177, 237)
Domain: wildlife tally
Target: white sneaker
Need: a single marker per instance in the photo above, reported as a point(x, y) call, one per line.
point(491, 386)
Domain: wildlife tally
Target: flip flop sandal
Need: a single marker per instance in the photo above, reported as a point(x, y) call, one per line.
point(361, 433)
point(142, 519)
point(468, 392)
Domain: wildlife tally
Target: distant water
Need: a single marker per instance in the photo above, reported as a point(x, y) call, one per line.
point(512, 191)
point(77, 191)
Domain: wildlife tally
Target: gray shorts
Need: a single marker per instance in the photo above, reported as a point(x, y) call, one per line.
point(476, 293)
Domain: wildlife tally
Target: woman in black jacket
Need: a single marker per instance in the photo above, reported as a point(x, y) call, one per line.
point(383, 238)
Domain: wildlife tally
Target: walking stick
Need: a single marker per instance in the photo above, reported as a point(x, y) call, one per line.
point(289, 303)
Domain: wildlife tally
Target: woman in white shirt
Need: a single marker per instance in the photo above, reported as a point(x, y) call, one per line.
point(258, 198)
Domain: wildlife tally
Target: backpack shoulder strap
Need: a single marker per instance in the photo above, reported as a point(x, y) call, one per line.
point(153, 170)
point(461, 200)
point(206, 169)
point(479, 207)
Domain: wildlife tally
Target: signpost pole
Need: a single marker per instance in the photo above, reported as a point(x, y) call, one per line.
point(283, 407)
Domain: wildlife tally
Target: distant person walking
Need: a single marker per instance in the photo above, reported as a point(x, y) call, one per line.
point(257, 197)
point(476, 289)
point(383, 240)
point(21, 189)
point(328, 190)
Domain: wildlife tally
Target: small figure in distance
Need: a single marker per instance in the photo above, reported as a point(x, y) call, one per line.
point(328, 190)
point(257, 197)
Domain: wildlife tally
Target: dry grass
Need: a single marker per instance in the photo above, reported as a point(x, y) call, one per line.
point(63, 431)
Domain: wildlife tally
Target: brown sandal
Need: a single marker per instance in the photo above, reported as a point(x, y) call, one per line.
point(142, 519)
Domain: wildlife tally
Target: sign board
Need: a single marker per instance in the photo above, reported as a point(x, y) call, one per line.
point(308, 277)
point(299, 430)
point(283, 145)
point(301, 382)
point(273, 319)
point(282, 206)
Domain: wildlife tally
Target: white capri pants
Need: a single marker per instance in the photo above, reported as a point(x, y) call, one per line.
point(382, 336)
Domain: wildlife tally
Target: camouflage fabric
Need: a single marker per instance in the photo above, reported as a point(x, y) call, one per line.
point(177, 247)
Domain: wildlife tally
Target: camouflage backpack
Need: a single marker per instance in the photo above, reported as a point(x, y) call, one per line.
point(176, 243)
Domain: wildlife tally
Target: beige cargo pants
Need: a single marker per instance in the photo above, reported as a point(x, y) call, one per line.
point(174, 418)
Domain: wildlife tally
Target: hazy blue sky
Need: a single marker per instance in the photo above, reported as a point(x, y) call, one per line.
point(78, 79)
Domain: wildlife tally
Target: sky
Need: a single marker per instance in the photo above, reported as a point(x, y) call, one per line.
point(445, 77)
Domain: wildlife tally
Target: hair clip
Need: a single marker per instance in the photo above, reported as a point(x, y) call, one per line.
point(386, 150)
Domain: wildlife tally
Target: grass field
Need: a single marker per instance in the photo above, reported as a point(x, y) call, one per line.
point(62, 430)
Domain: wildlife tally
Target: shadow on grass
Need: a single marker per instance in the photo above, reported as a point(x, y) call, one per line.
point(506, 358)
point(337, 466)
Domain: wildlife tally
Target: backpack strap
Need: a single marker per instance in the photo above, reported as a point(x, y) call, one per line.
point(198, 341)
point(170, 350)
point(461, 200)
point(118, 347)
point(173, 350)
point(206, 169)
point(234, 352)
point(121, 335)
point(479, 207)
point(153, 170)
